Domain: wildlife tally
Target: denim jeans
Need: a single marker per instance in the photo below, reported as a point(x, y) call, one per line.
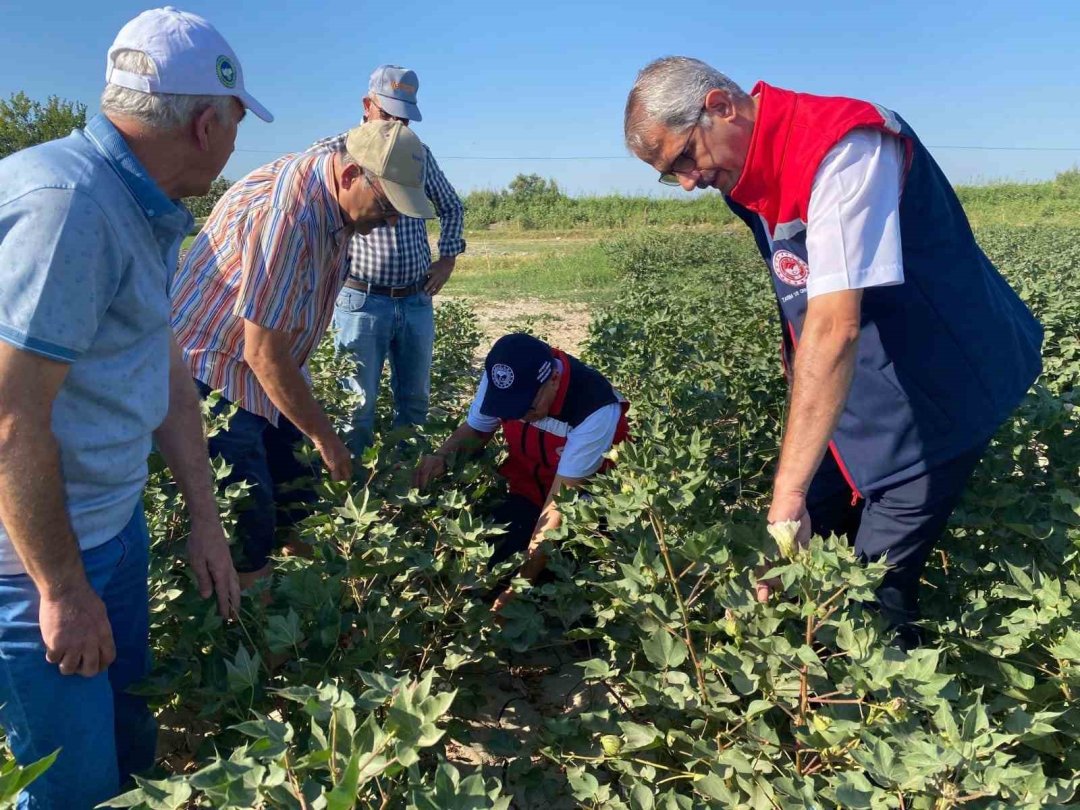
point(282, 486)
point(372, 328)
point(104, 734)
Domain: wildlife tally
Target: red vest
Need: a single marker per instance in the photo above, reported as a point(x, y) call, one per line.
point(536, 447)
point(792, 135)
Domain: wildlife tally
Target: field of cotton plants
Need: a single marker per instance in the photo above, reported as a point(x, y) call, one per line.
point(645, 675)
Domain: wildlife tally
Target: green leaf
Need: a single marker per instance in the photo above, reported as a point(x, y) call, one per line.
point(1014, 676)
point(663, 649)
point(639, 737)
point(757, 707)
point(712, 787)
point(168, 794)
point(283, 632)
point(1069, 646)
point(641, 798)
point(343, 796)
point(582, 783)
point(15, 780)
point(243, 670)
point(854, 791)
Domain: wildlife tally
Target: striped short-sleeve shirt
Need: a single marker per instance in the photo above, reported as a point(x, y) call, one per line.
point(273, 251)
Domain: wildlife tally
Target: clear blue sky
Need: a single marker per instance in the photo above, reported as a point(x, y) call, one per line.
point(548, 79)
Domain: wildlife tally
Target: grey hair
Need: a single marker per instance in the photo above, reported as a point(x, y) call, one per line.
point(163, 111)
point(669, 93)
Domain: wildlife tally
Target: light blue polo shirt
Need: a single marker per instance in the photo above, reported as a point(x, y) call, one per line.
point(88, 245)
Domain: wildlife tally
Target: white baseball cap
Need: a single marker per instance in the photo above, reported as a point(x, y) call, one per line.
point(189, 55)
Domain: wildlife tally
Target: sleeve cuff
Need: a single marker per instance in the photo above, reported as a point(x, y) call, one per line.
point(570, 471)
point(482, 426)
point(53, 351)
point(884, 276)
point(450, 249)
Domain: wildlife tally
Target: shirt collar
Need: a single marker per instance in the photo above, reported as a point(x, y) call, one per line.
point(143, 188)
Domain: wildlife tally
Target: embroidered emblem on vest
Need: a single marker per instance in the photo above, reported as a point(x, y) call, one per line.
point(789, 268)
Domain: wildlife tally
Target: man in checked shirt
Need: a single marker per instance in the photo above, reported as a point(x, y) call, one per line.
point(385, 308)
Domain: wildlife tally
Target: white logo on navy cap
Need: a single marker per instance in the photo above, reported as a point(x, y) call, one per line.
point(502, 375)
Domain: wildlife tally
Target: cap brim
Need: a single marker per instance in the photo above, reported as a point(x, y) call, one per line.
point(498, 406)
point(249, 101)
point(408, 200)
point(400, 109)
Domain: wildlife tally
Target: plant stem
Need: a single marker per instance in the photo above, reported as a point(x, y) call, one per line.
point(295, 783)
point(333, 746)
point(659, 532)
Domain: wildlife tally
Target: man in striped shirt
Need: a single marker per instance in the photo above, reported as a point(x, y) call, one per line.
point(256, 294)
point(385, 308)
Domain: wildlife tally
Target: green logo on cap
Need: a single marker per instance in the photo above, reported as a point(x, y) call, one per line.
point(226, 72)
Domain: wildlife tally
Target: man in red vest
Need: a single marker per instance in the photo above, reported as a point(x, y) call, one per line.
point(559, 417)
point(906, 349)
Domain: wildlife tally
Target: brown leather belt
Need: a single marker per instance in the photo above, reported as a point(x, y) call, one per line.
point(378, 289)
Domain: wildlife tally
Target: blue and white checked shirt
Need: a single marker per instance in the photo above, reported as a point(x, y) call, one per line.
point(400, 255)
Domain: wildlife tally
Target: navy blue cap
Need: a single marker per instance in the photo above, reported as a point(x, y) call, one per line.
point(516, 368)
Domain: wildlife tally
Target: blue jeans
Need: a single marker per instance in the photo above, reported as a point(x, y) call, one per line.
point(373, 327)
point(282, 487)
point(104, 734)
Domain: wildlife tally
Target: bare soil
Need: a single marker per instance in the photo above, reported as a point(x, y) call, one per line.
point(560, 323)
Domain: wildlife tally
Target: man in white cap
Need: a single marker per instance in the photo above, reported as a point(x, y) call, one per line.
point(255, 296)
point(90, 226)
point(385, 309)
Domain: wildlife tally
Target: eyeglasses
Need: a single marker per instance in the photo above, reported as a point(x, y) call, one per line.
point(388, 117)
point(386, 209)
point(671, 176)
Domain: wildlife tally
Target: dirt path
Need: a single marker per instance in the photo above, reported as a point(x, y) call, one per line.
point(560, 323)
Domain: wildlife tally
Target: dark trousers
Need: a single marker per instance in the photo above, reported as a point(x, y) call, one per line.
point(520, 516)
point(281, 490)
point(902, 522)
